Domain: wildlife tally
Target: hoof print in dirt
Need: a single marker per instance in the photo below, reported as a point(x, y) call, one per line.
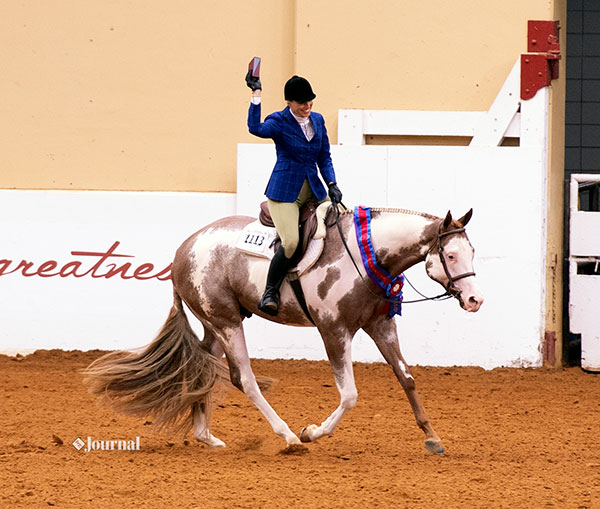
point(294, 450)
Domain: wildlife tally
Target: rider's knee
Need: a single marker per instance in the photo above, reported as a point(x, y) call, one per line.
point(290, 245)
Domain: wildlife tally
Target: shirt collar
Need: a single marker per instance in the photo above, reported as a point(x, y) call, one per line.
point(300, 120)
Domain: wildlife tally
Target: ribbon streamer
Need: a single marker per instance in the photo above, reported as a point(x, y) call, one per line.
point(381, 277)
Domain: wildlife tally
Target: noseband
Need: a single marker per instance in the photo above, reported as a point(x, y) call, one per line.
point(451, 288)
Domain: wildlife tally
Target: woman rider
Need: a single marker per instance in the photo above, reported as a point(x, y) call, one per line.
point(302, 145)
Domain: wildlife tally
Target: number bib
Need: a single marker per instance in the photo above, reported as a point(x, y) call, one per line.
point(257, 239)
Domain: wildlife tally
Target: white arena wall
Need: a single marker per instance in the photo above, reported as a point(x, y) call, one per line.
point(53, 228)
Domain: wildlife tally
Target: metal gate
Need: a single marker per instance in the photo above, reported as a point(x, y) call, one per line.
point(584, 266)
point(582, 161)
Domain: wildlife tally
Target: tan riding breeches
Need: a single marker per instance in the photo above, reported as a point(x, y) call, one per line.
point(285, 216)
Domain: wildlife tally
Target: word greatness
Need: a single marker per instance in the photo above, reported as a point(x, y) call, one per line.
point(92, 264)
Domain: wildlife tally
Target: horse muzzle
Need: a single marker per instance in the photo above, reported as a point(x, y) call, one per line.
point(467, 293)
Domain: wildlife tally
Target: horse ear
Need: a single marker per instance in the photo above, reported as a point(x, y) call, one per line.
point(447, 220)
point(466, 218)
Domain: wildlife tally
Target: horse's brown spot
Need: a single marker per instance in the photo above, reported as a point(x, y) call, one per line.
point(333, 332)
point(334, 248)
point(234, 373)
point(332, 275)
point(355, 309)
point(226, 269)
point(429, 232)
point(398, 261)
point(290, 312)
point(181, 270)
point(183, 264)
point(213, 298)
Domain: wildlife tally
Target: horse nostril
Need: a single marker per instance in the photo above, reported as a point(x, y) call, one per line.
point(476, 301)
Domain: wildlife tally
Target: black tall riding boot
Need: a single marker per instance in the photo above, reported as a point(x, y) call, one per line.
point(269, 303)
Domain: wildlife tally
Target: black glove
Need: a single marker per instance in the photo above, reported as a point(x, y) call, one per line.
point(334, 193)
point(253, 82)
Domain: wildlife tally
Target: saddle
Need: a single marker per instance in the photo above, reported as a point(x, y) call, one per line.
point(308, 223)
point(312, 223)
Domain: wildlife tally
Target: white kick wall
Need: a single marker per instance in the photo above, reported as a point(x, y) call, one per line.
point(56, 230)
point(504, 185)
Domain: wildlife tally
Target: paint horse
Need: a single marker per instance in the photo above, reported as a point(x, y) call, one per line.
point(173, 377)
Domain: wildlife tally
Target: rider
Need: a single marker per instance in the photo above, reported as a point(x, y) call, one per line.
point(302, 144)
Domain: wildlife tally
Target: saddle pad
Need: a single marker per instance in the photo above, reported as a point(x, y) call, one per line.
point(257, 239)
point(312, 254)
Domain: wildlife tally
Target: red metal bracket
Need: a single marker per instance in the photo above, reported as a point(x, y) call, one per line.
point(540, 66)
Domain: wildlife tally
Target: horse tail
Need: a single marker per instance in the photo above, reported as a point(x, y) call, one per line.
point(167, 380)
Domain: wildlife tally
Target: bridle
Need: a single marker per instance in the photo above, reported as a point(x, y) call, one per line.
point(451, 289)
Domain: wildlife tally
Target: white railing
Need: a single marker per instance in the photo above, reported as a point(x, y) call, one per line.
point(508, 117)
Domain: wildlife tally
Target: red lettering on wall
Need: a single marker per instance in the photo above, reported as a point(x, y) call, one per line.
point(70, 269)
point(145, 268)
point(78, 268)
point(118, 270)
point(46, 267)
point(165, 274)
point(26, 265)
point(4, 265)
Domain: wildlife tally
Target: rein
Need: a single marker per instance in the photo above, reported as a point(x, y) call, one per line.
point(451, 290)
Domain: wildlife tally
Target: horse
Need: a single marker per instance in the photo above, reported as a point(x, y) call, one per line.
point(172, 379)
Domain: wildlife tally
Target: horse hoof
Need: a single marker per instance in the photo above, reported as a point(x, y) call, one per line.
point(434, 446)
point(212, 442)
point(306, 432)
point(304, 436)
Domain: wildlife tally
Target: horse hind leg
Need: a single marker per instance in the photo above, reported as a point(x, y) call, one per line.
point(202, 411)
point(234, 345)
point(201, 426)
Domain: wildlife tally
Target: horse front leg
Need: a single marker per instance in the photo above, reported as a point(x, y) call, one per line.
point(340, 359)
point(383, 332)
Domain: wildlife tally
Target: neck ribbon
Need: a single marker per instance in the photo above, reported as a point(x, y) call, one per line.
point(381, 277)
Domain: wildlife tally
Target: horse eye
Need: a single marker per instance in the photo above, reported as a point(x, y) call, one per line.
point(450, 257)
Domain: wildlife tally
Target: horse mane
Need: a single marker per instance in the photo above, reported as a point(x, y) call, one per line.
point(395, 211)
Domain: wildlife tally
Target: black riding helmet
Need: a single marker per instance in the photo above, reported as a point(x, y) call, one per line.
point(298, 89)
